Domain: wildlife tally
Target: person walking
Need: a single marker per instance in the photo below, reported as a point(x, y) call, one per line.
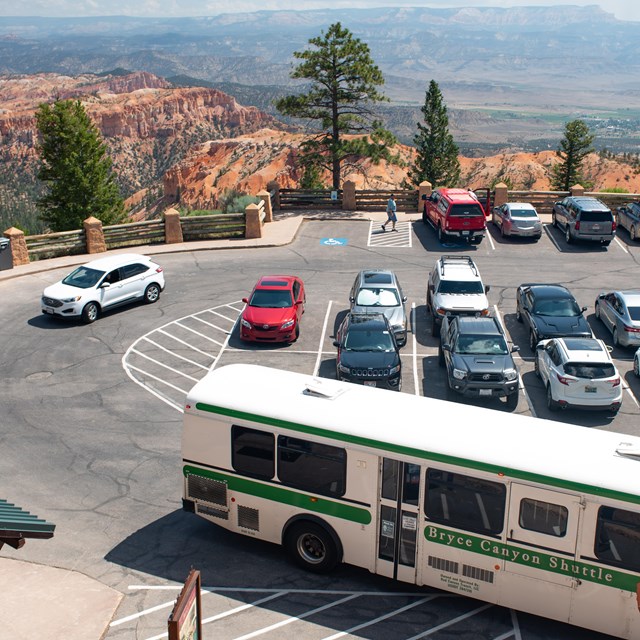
point(391, 214)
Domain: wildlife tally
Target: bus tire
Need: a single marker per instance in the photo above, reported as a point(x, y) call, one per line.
point(311, 547)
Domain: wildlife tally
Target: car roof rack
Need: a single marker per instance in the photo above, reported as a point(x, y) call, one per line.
point(453, 259)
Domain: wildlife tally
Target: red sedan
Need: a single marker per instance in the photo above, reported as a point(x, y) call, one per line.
point(273, 311)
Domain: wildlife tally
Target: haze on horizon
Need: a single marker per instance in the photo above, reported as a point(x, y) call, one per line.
point(622, 9)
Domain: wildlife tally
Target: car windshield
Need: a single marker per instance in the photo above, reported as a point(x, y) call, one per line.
point(460, 286)
point(466, 210)
point(373, 297)
point(523, 213)
point(368, 341)
point(481, 345)
point(271, 298)
point(83, 278)
point(589, 370)
point(564, 307)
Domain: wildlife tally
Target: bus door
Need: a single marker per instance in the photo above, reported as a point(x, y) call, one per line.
point(541, 549)
point(398, 519)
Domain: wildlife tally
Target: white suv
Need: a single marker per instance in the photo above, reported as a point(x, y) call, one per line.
point(578, 373)
point(455, 287)
point(104, 283)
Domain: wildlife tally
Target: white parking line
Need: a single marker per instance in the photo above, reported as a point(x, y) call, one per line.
point(414, 345)
point(157, 394)
point(173, 353)
point(209, 324)
point(164, 366)
point(201, 335)
point(490, 239)
point(316, 367)
point(186, 344)
point(627, 388)
point(621, 245)
point(444, 625)
point(550, 236)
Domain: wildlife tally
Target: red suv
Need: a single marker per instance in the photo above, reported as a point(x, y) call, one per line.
point(455, 213)
point(273, 311)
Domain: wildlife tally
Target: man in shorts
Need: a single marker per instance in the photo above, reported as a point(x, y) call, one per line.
point(391, 214)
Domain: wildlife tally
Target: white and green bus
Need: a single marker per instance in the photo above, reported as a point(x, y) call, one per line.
point(526, 513)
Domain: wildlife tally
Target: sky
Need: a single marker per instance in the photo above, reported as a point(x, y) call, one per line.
point(622, 9)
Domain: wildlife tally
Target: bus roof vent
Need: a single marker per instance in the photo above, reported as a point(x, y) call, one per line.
point(323, 388)
point(629, 450)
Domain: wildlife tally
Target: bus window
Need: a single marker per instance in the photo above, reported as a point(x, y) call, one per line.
point(543, 517)
point(411, 484)
point(312, 466)
point(252, 452)
point(618, 538)
point(465, 502)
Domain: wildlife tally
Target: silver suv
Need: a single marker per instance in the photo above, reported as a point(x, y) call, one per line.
point(379, 291)
point(455, 287)
point(584, 218)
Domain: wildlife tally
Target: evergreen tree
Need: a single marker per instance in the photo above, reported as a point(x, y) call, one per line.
point(575, 145)
point(75, 168)
point(344, 83)
point(437, 154)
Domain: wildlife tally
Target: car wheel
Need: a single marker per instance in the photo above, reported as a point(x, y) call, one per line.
point(90, 313)
point(435, 329)
point(552, 405)
point(440, 355)
point(536, 366)
point(512, 401)
point(554, 222)
point(311, 547)
point(502, 230)
point(616, 341)
point(636, 366)
point(597, 311)
point(440, 235)
point(450, 394)
point(632, 233)
point(297, 332)
point(518, 314)
point(425, 220)
point(152, 293)
point(533, 341)
point(567, 235)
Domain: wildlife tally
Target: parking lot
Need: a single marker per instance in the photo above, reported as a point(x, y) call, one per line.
point(100, 456)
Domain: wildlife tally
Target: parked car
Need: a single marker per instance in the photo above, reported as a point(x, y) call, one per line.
point(455, 287)
point(628, 217)
point(368, 353)
point(584, 218)
point(104, 284)
point(479, 363)
point(619, 311)
point(550, 311)
point(517, 219)
point(379, 291)
point(273, 310)
point(455, 213)
point(578, 373)
point(636, 362)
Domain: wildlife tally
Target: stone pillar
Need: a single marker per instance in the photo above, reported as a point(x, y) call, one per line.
point(19, 251)
point(94, 236)
point(274, 189)
point(253, 226)
point(172, 227)
point(577, 190)
point(349, 195)
point(501, 194)
point(265, 196)
point(424, 189)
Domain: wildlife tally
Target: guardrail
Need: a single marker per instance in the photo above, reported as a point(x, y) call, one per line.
point(376, 200)
point(118, 236)
point(213, 227)
point(52, 245)
point(310, 199)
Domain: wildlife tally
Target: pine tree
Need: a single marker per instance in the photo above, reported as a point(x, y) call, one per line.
point(344, 81)
point(575, 145)
point(437, 154)
point(75, 168)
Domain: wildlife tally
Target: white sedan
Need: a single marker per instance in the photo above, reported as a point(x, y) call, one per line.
point(578, 373)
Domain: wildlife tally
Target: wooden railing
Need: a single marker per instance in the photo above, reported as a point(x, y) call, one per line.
point(310, 199)
point(213, 227)
point(52, 245)
point(118, 236)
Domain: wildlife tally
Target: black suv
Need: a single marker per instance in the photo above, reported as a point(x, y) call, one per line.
point(550, 311)
point(478, 360)
point(368, 352)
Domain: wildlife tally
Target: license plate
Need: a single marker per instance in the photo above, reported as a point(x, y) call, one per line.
point(369, 383)
point(465, 233)
point(484, 392)
point(590, 389)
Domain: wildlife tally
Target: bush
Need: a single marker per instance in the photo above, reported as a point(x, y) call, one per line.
point(614, 190)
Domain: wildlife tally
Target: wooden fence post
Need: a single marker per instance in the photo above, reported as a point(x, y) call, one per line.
point(94, 237)
point(19, 251)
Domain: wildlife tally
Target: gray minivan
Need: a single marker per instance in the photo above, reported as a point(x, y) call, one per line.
point(584, 218)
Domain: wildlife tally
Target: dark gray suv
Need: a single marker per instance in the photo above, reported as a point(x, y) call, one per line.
point(584, 218)
point(479, 363)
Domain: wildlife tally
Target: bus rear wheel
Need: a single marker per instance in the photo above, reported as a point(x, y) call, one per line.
point(311, 547)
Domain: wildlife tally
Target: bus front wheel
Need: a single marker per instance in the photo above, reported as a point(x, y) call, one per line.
point(311, 547)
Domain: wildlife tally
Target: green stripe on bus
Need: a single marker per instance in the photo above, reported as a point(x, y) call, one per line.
point(285, 496)
point(527, 557)
point(426, 455)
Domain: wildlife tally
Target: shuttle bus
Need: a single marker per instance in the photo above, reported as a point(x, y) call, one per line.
point(530, 514)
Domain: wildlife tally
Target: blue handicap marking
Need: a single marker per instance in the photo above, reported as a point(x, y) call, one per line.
point(333, 242)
